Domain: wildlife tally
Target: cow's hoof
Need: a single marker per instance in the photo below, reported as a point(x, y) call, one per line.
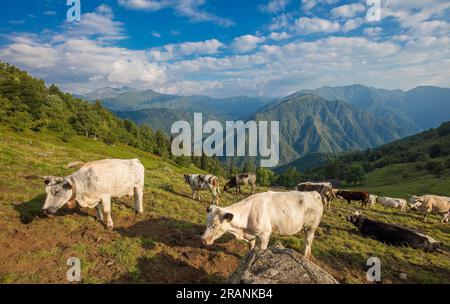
point(110, 228)
point(138, 212)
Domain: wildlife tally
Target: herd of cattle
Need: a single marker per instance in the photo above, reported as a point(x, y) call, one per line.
point(254, 218)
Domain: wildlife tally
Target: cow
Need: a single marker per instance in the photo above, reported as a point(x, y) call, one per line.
point(350, 196)
point(431, 204)
point(94, 183)
point(260, 215)
point(324, 189)
point(372, 200)
point(203, 182)
point(393, 234)
point(390, 202)
point(239, 180)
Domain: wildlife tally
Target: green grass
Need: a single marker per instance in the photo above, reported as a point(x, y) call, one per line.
point(400, 180)
point(157, 244)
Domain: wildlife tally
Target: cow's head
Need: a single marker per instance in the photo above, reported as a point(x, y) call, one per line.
point(217, 223)
point(355, 218)
point(415, 202)
point(59, 192)
point(187, 178)
point(227, 187)
point(372, 199)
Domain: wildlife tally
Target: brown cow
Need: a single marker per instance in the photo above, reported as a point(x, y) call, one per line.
point(350, 196)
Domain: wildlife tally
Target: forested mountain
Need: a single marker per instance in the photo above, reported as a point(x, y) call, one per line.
point(221, 108)
point(311, 124)
point(415, 110)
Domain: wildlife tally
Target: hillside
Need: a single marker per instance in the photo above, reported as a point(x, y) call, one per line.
point(311, 124)
point(162, 245)
point(418, 164)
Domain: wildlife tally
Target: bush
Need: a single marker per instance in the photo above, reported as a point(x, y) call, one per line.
point(434, 166)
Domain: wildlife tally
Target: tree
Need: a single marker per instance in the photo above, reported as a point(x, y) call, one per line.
point(290, 178)
point(435, 150)
point(355, 174)
point(249, 167)
point(265, 177)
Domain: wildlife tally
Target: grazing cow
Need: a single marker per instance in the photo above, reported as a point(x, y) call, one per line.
point(243, 179)
point(324, 189)
point(203, 182)
point(96, 182)
point(372, 200)
point(260, 215)
point(350, 196)
point(431, 204)
point(393, 234)
point(390, 202)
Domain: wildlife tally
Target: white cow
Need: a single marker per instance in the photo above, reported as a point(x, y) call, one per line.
point(431, 204)
point(260, 215)
point(391, 202)
point(96, 182)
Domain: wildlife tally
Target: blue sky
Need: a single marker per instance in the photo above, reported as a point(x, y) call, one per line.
point(225, 48)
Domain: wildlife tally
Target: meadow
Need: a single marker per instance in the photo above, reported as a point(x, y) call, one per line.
point(162, 245)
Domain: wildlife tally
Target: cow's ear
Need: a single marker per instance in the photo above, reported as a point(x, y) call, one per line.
point(67, 185)
point(228, 217)
point(208, 209)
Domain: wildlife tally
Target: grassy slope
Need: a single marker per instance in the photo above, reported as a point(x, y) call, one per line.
point(400, 180)
point(162, 244)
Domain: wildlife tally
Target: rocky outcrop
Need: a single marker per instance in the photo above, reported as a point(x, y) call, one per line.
point(279, 265)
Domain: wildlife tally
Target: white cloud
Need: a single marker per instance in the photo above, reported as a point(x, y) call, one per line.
point(99, 24)
point(246, 43)
point(279, 36)
point(187, 8)
point(305, 25)
point(173, 51)
point(352, 24)
point(274, 6)
point(310, 4)
point(348, 10)
point(156, 34)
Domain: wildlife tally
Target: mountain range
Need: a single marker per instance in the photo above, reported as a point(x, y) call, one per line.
point(324, 120)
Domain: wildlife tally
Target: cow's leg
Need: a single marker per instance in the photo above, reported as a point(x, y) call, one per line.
point(215, 197)
point(445, 218)
point(99, 210)
point(106, 201)
point(308, 242)
point(349, 201)
point(138, 197)
point(425, 217)
point(194, 192)
point(264, 241)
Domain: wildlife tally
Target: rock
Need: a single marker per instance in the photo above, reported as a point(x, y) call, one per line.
point(279, 265)
point(403, 276)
